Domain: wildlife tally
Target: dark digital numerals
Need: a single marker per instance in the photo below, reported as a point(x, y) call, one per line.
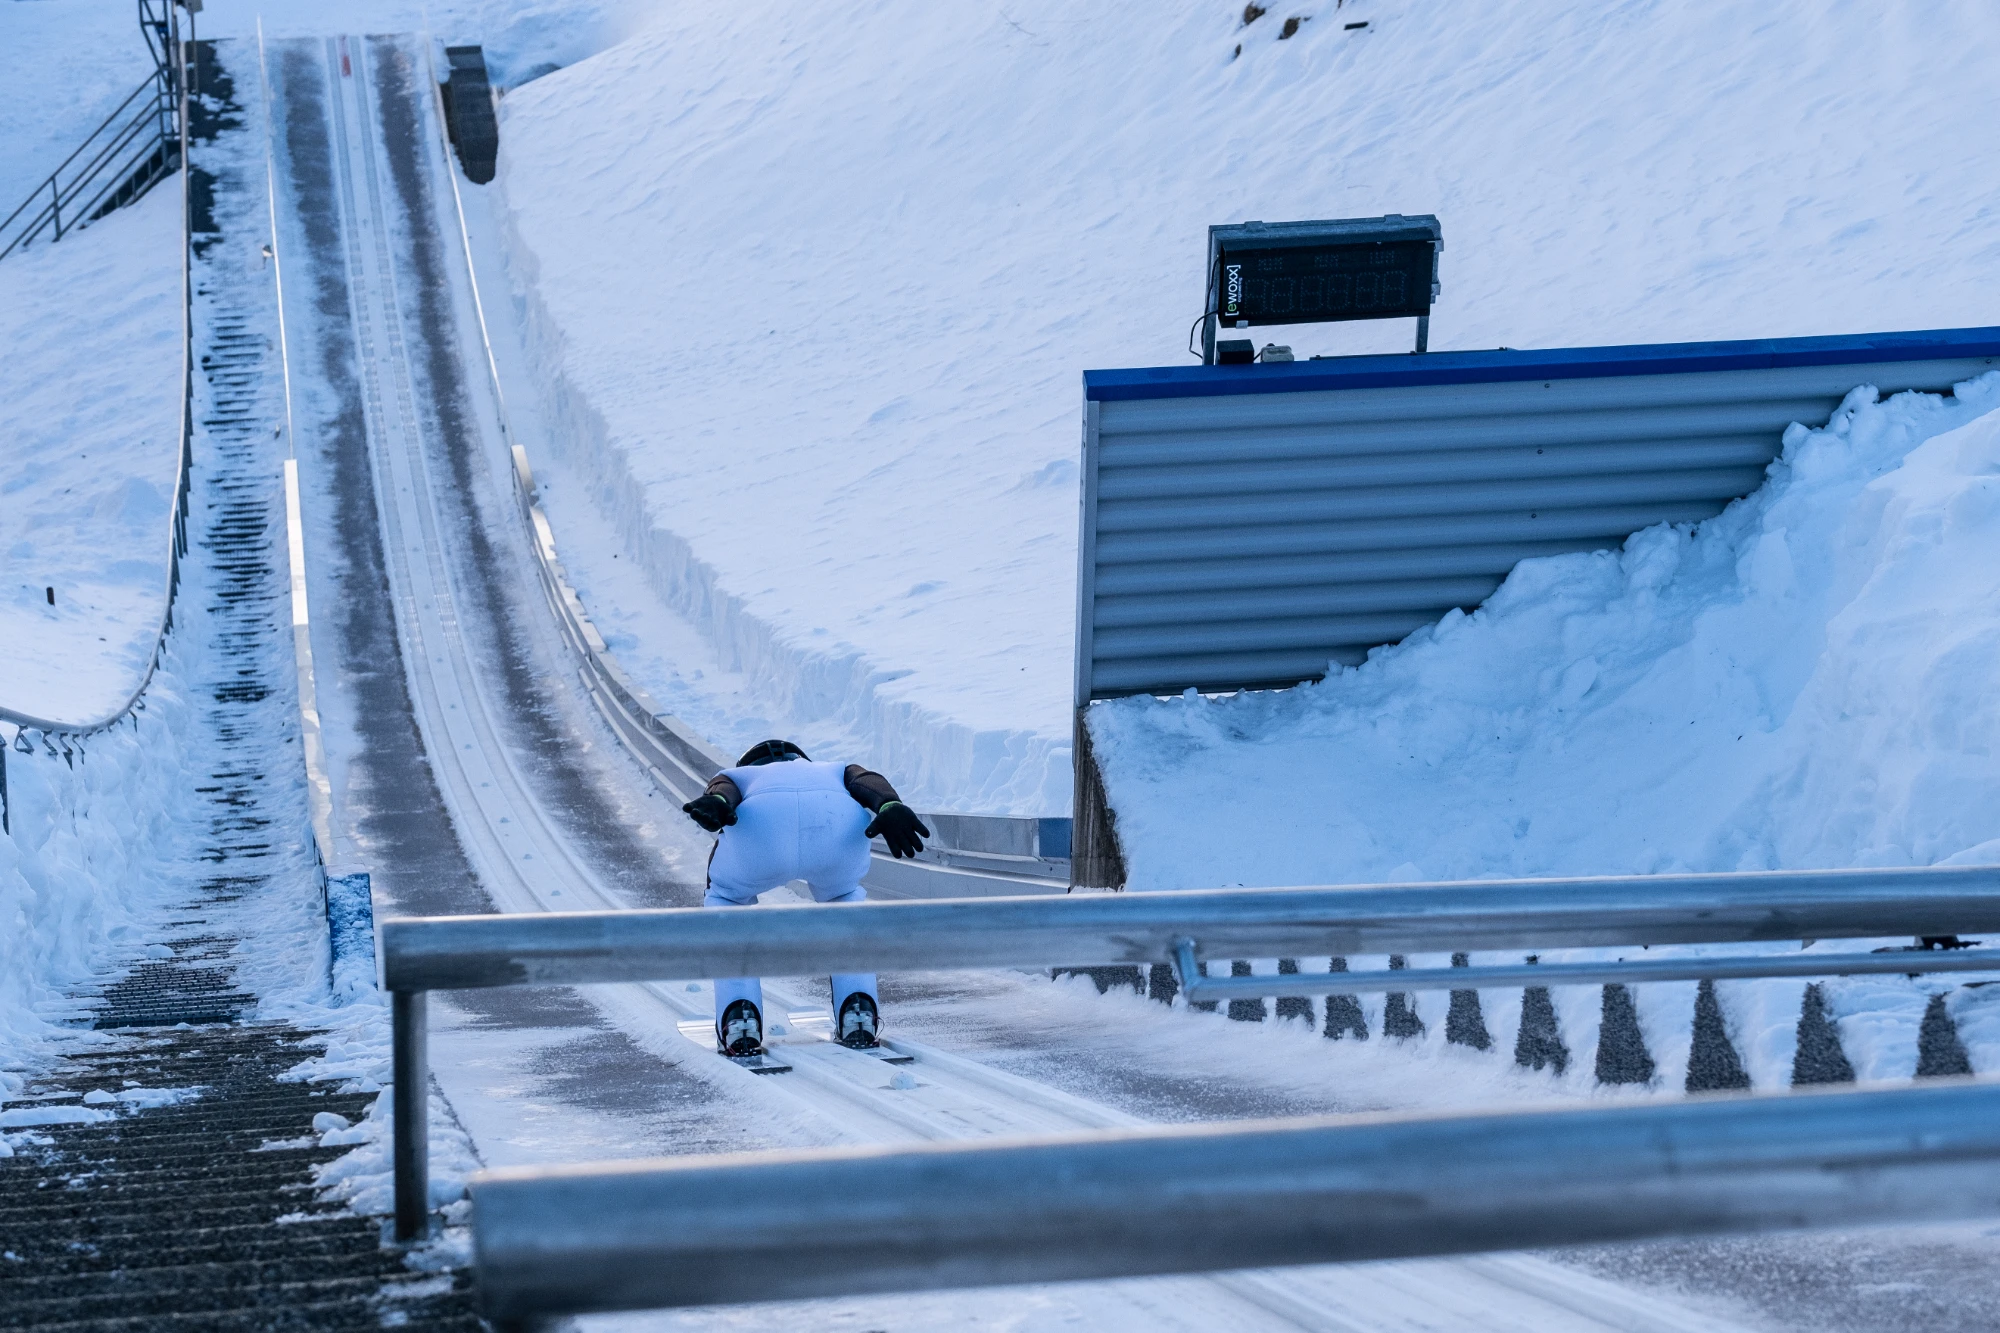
point(1338, 294)
point(1304, 284)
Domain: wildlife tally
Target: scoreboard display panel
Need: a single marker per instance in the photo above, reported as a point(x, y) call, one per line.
point(1307, 284)
point(1318, 272)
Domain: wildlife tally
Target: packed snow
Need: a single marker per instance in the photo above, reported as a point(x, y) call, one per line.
point(810, 288)
point(83, 878)
point(90, 408)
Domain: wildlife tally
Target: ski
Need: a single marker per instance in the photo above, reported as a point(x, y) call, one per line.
point(764, 1063)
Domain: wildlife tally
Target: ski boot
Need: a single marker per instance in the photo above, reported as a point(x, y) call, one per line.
point(740, 1031)
point(858, 1022)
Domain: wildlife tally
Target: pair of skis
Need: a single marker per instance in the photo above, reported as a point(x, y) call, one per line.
point(807, 1026)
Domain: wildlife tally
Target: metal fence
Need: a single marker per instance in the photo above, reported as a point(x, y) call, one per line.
point(418, 955)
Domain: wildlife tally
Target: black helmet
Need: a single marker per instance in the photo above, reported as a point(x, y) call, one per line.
point(769, 752)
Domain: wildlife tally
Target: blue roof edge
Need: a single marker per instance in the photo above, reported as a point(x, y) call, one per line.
point(1407, 370)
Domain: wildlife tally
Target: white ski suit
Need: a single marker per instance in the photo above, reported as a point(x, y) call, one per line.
point(796, 821)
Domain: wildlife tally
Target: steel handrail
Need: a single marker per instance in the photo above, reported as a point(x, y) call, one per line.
point(54, 197)
point(51, 211)
point(1126, 1203)
point(177, 538)
point(119, 177)
point(151, 81)
point(574, 948)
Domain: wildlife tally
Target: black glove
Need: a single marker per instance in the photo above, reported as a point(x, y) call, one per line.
point(899, 826)
point(712, 811)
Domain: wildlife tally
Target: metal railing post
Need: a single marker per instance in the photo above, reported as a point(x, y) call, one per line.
point(411, 1073)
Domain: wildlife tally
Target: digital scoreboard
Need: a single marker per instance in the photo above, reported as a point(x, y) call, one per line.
point(1317, 272)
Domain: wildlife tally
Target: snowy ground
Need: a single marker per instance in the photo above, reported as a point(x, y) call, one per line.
point(90, 392)
point(82, 875)
point(810, 288)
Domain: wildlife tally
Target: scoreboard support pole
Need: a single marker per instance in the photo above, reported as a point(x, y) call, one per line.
point(1423, 333)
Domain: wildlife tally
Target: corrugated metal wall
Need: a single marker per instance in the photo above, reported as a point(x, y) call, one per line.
point(1250, 538)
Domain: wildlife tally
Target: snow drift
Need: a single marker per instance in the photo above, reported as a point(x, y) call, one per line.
point(87, 867)
point(90, 408)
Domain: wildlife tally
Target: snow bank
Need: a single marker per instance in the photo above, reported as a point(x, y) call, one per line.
point(87, 868)
point(810, 287)
point(1803, 681)
point(90, 395)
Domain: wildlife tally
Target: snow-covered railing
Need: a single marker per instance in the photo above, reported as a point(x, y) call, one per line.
point(69, 734)
point(418, 955)
point(971, 855)
point(552, 1241)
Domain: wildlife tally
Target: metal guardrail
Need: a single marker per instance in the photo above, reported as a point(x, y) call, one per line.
point(971, 854)
point(421, 954)
point(54, 732)
point(574, 948)
point(1200, 988)
point(552, 1241)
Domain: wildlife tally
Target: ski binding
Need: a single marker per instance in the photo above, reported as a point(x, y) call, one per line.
point(818, 1024)
point(702, 1034)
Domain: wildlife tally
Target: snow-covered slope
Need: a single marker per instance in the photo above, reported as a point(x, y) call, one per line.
point(1803, 681)
point(96, 848)
point(812, 286)
point(90, 399)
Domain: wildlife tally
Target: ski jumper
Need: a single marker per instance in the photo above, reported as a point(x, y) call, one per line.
point(795, 820)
